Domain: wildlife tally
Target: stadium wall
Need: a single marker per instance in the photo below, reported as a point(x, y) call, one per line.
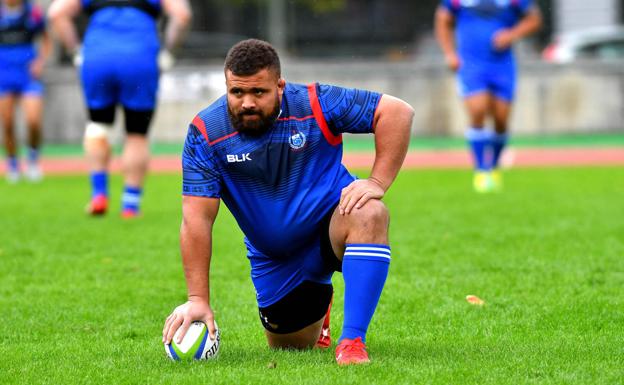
point(579, 98)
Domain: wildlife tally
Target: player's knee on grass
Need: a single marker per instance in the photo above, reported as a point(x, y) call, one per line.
point(295, 321)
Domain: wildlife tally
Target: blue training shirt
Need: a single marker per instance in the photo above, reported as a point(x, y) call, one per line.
point(477, 21)
point(281, 184)
point(27, 20)
point(114, 30)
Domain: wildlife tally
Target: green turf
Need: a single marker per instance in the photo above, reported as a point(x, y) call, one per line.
point(359, 143)
point(83, 300)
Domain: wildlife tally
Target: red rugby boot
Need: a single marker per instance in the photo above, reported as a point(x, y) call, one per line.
point(98, 205)
point(351, 352)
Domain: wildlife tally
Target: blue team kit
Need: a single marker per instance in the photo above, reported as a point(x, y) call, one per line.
point(280, 185)
point(125, 29)
point(483, 67)
point(18, 30)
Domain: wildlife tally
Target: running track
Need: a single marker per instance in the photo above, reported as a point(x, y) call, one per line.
point(440, 159)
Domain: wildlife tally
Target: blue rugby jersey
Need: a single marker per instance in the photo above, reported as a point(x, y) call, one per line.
point(115, 30)
point(476, 22)
point(281, 184)
point(19, 28)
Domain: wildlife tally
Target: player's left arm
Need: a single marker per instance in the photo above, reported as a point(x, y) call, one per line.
point(61, 14)
point(530, 23)
point(44, 49)
point(392, 124)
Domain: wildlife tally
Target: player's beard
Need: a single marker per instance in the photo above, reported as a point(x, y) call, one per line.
point(254, 127)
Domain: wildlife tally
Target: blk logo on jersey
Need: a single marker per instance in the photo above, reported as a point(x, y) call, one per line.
point(297, 140)
point(238, 158)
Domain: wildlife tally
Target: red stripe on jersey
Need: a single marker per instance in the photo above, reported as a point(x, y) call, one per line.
point(223, 138)
point(296, 118)
point(334, 140)
point(201, 126)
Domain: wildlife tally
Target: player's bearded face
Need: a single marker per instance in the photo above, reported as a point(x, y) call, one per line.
point(254, 121)
point(254, 101)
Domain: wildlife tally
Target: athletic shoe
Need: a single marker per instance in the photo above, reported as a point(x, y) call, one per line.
point(496, 178)
point(34, 173)
point(481, 182)
point(324, 340)
point(350, 352)
point(12, 176)
point(129, 214)
point(98, 205)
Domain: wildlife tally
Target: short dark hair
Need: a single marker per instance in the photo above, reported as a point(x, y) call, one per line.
point(250, 56)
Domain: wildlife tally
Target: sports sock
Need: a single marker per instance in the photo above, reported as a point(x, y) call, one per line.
point(33, 155)
point(13, 163)
point(99, 183)
point(498, 143)
point(131, 199)
point(364, 268)
point(478, 140)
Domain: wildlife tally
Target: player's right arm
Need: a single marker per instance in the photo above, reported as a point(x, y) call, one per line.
point(200, 204)
point(444, 32)
point(61, 14)
point(198, 216)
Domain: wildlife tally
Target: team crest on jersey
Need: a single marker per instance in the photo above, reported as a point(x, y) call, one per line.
point(297, 140)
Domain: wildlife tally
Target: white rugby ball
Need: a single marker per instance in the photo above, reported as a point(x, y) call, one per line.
point(196, 344)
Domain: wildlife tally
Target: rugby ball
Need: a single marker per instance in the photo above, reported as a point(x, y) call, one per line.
point(196, 344)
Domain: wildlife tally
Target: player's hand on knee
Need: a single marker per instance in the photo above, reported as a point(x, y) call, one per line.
point(182, 317)
point(358, 193)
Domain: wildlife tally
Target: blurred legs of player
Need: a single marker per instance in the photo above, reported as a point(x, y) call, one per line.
point(478, 138)
point(135, 158)
point(486, 145)
point(98, 152)
point(33, 109)
point(7, 114)
point(33, 112)
point(501, 110)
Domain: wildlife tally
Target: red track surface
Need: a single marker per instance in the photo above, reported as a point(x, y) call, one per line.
point(522, 157)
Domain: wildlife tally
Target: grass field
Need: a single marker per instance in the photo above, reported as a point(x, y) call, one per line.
point(83, 300)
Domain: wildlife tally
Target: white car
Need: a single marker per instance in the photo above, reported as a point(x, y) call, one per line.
point(603, 43)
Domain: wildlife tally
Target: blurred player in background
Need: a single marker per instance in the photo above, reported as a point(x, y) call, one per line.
point(119, 64)
point(476, 37)
point(272, 151)
point(21, 67)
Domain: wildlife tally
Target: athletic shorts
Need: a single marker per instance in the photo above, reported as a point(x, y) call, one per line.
point(131, 82)
point(19, 83)
point(274, 278)
point(303, 306)
point(497, 79)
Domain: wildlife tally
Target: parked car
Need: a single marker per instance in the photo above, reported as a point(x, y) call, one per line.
point(604, 43)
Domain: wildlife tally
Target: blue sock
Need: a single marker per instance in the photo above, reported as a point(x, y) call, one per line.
point(131, 199)
point(478, 140)
point(499, 141)
point(33, 155)
point(364, 268)
point(99, 183)
point(13, 163)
